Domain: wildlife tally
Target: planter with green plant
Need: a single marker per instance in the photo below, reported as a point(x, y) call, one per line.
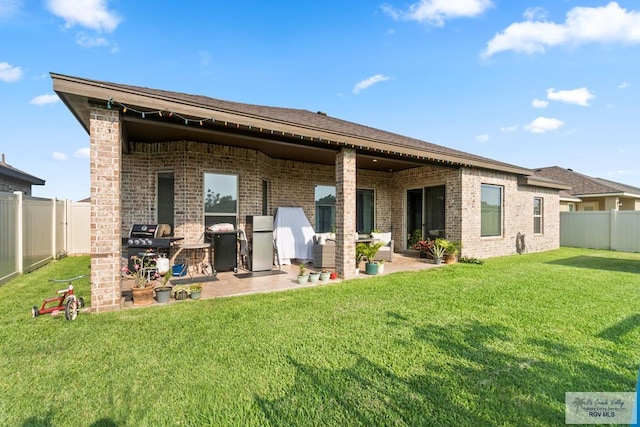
point(303, 277)
point(196, 290)
point(314, 276)
point(369, 250)
point(163, 292)
point(439, 249)
point(144, 270)
point(453, 250)
point(181, 292)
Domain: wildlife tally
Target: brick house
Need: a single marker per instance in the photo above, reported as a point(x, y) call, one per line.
point(12, 179)
point(159, 156)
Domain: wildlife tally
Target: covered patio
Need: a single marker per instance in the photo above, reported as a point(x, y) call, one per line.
point(230, 284)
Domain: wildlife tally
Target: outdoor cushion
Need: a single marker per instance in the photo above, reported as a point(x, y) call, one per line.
point(382, 237)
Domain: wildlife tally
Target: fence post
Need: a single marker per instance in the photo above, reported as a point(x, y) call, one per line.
point(613, 242)
point(19, 233)
point(66, 227)
point(54, 223)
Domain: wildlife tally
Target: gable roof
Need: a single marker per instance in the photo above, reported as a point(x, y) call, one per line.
point(587, 186)
point(10, 172)
point(142, 106)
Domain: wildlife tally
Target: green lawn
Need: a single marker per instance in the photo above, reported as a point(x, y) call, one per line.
point(463, 345)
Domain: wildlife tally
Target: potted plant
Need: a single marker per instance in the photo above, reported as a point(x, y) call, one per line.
point(196, 290)
point(303, 277)
point(163, 292)
point(423, 247)
point(381, 266)
point(369, 251)
point(142, 289)
point(415, 237)
point(324, 275)
point(453, 249)
point(439, 249)
point(314, 276)
point(180, 292)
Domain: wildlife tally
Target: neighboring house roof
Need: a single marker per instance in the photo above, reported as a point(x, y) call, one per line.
point(9, 171)
point(586, 186)
point(295, 126)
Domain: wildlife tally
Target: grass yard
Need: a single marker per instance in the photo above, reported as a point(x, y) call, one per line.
point(463, 345)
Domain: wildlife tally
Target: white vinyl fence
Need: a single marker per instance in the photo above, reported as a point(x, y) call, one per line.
point(612, 230)
point(33, 231)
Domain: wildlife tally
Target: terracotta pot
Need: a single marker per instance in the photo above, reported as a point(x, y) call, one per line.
point(142, 296)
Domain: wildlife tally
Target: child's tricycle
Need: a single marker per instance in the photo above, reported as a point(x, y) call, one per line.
point(66, 301)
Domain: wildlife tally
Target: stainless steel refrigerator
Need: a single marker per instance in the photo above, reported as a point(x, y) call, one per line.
point(261, 242)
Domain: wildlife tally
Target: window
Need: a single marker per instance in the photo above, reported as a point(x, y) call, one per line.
point(491, 211)
point(537, 215)
point(325, 198)
point(365, 208)
point(220, 198)
point(165, 199)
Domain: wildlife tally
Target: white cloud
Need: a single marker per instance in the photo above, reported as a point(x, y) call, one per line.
point(366, 83)
point(435, 12)
point(45, 99)
point(89, 41)
point(539, 103)
point(9, 7)
point(535, 14)
point(579, 96)
point(82, 153)
point(543, 125)
point(511, 128)
point(624, 85)
point(9, 73)
point(56, 155)
point(605, 24)
point(92, 14)
point(482, 138)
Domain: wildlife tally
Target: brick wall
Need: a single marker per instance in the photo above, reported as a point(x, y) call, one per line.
point(9, 185)
point(517, 215)
point(105, 208)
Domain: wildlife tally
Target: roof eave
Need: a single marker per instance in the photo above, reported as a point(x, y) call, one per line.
point(533, 181)
point(93, 90)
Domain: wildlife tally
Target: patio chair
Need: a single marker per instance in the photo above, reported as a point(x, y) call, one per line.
point(385, 253)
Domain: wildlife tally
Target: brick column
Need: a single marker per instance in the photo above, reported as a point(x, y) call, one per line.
point(346, 213)
point(106, 244)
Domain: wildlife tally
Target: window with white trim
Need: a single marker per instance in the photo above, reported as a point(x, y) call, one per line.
point(491, 211)
point(537, 215)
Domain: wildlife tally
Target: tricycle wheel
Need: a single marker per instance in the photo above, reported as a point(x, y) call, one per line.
point(35, 312)
point(71, 309)
point(80, 302)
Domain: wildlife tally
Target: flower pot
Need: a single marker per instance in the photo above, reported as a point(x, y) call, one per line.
point(314, 277)
point(142, 296)
point(357, 272)
point(182, 295)
point(324, 276)
point(303, 279)
point(333, 275)
point(163, 295)
point(451, 260)
point(380, 268)
point(371, 268)
point(196, 294)
point(437, 260)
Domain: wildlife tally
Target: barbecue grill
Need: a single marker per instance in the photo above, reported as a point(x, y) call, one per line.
point(154, 238)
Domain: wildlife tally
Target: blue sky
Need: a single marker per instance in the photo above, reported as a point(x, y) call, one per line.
point(552, 82)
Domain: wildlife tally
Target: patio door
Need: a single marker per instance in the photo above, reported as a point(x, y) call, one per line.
point(426, 212)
